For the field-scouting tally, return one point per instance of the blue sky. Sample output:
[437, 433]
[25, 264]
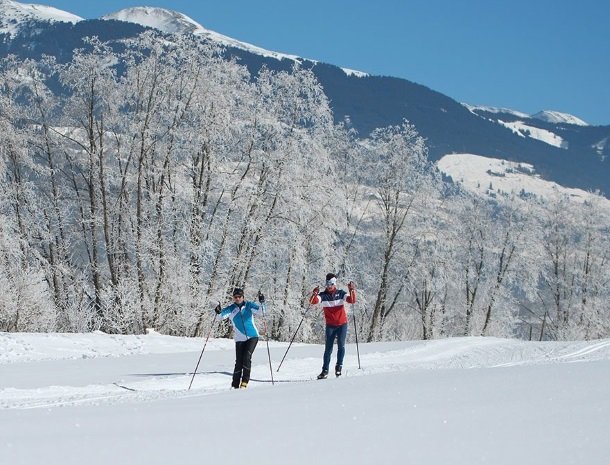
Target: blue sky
[528, 55]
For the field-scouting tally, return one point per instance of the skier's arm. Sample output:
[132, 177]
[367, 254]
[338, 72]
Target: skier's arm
[225, 312]
[254, 307]
[315, 298]
[351, 298]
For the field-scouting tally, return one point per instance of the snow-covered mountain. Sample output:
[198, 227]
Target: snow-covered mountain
[581, 143]
[548, 116]
[173, 22]
[524, 130]
[568, 152]
[557, 117]
[473, 109]
[13, 15]
[492, 177]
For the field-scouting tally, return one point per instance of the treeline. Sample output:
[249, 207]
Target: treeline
[140, 183]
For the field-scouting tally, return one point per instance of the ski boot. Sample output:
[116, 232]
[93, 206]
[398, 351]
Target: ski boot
[323, 375]
[338, 370]
[243, 385]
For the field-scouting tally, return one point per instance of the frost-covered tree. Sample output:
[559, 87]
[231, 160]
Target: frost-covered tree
[397, 162]
[488, 251]
[144, 179]
[574, 279]
[24, 287]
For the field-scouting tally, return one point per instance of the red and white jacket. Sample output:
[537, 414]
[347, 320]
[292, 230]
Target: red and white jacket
[334, 305]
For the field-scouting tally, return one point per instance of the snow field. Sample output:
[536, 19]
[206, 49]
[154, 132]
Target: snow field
[476, 173]
[458, 401]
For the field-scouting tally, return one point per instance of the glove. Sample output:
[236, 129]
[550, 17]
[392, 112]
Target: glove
[218, 309]
[261, 297]
[351, 286]
[316, 291]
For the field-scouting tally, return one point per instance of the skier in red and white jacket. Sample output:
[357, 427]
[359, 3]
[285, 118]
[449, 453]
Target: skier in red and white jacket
[333, 302]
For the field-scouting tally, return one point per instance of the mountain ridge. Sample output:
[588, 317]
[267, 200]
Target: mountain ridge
[13, 13]
[570, 154]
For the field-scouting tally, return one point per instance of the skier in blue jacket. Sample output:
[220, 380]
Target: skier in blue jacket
[245, 334]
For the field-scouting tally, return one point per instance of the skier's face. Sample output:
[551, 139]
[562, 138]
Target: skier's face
[238, 299]
[332, 288]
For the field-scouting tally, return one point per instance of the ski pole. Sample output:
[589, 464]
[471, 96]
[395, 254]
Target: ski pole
[351, 287]
[261, 299]
[295, 335]
[202, 351]
[356, 332]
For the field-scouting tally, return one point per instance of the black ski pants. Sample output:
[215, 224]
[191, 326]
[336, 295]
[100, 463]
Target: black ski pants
[243, 361]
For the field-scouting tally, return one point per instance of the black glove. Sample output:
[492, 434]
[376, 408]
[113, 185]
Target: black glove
[218, 309]
[261, 298]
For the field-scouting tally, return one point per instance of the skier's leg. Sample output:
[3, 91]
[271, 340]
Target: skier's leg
[249, 347]
[239, 361]
[341, 338]
[328, 347]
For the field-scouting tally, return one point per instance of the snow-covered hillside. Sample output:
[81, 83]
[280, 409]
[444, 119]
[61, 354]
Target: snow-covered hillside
[601, 146]
[14, 14]
[524, 130]
[473, 109]
[558, 117]
[549, 116]
[527, 126]
[171, 22]
[488, 176]
[458, 401]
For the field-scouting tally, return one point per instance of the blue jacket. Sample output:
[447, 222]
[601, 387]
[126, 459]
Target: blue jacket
[242, 319]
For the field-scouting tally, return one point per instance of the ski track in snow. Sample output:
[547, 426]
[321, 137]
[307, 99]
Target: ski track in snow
[66, 352]
[589, 349]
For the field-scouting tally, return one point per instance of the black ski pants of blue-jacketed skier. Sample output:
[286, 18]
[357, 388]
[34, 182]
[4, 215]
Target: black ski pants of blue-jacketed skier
[243, 361]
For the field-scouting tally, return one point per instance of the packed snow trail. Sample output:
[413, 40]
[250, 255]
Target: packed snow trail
[458, 401]
[94, 369]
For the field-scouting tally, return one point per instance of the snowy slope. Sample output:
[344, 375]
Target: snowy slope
[488, 109]
[173, 22]
[558, 117]
[14, 14]
[461, 401]
[164, 20]
[524, 130]
[601, 145]
[547, 115]
[477, 173]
